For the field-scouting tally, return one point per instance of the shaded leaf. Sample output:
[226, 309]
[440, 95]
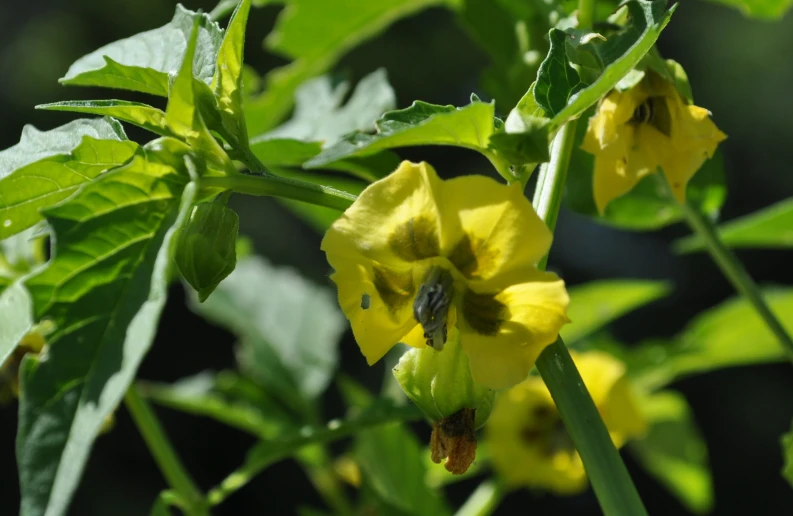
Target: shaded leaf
[392, 464]
[787, 455]
[268, 452]
[136, 113]
[557, 81]
[289, 328]
[674, 452]
[143, 62]
[771, 227]
[104, 291]
[321, 115]
[46, 167]
[316, 34]
[421, 124]
[596, 304]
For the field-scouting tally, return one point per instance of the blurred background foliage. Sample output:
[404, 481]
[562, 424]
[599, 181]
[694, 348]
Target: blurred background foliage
[737, 69]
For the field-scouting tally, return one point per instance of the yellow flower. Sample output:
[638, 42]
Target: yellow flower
[648, 126]
[528, 443]
[416, 257]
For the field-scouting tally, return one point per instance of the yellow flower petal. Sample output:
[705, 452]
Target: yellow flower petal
[394, 222]
[378, 303]
[489, 228]
[503, 333]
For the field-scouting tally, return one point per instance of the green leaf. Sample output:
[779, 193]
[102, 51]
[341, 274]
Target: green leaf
[16, 318]
[104, 291]
[557, 81]
[620, 54]
[143, 62]
[265, 453]
[421, 124]
[136, 113]
[316, 34]
[46, 167]
[289, 328]
[321, 115]
[527, 146]
[760, 9]
[674, 452]
[227, 81]
[595, 304]
[184, 111]
[715, 339]
[771, 227]
[392, 463]
[22, 252]
[208, 395]
[787, 453]
[647, 206]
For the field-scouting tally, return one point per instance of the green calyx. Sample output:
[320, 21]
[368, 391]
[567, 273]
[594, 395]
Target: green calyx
[440, 382]
[206, 247]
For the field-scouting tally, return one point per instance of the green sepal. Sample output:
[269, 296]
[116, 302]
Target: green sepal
[440, 382]
[206, 249]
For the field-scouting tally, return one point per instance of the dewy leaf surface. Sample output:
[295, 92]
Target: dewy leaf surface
[104, 291]
[46, 167]
[136, 113]
[289, 327]
[144, 61]
[315, 34]
[771, 227]
[421, 124]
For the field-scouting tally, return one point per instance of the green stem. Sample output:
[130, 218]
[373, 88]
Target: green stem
[272, 185]
[733, 269]
[324, 479]
[223, 9]
[484, 500]
[163, 453]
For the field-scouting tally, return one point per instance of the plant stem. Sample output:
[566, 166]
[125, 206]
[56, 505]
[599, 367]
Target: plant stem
[484, 500]
[163, 453]
[733, 269]
[223, 9]
[281, 187]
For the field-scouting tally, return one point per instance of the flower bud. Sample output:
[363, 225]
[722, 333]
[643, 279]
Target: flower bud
[441, 385]
[206, 247]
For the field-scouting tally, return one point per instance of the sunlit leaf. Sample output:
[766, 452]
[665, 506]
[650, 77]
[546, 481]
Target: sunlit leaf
[316, 34]
[16, 317]
[421, 124]
[674, 452]
[595, 304]
[289, 328]
[103, 290]
[771, 227]
[620, 53]
[47, 167]
[145, 61]
[136, 113]
[761, 9]
[557, 80]
[227, 81]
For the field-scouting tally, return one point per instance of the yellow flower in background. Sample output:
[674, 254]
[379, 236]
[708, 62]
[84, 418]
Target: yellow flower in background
[528, 443]
[648, 126]
[416, 257]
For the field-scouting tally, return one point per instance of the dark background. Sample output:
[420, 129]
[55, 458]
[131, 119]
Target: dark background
[740, 69]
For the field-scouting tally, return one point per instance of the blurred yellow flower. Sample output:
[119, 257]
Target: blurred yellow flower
[648, 126]
[416, 257]
[528, 443]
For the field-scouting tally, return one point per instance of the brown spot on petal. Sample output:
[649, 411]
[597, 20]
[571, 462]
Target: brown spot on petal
[394, 288]
[453, 439]
[471, 256]
[483, 312]
[416, 239]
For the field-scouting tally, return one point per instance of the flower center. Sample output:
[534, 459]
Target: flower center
[654, 112]
[547, 431]
[431, 306]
